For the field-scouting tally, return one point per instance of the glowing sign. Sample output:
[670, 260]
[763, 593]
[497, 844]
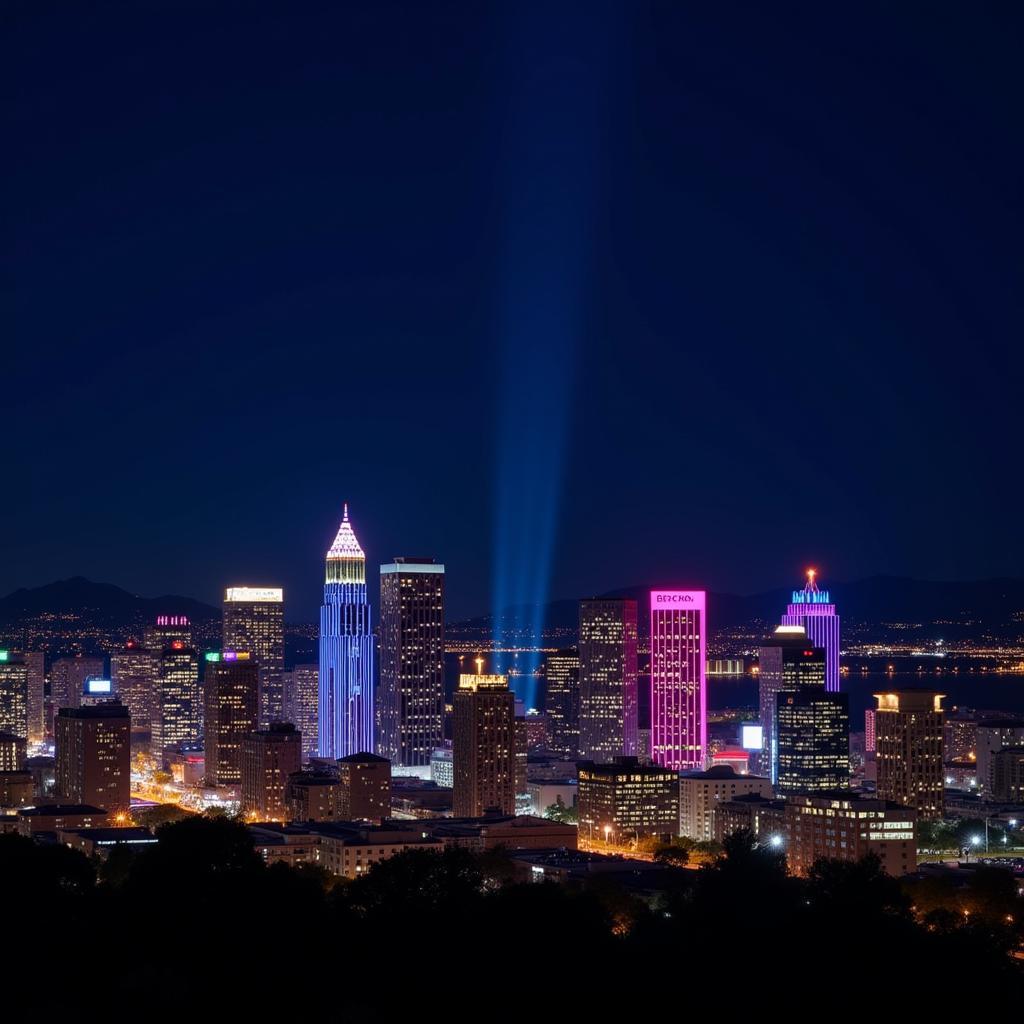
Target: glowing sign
[98, 685]
[172, 620]
[273, 595]
[752, 736]
[3, 655]
[213, 656]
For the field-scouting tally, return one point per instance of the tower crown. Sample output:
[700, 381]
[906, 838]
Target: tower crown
[346, 562]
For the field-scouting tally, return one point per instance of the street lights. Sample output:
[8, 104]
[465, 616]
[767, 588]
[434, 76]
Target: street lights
[607, 831]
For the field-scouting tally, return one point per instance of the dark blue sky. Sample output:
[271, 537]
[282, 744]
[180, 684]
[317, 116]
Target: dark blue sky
[689, 296]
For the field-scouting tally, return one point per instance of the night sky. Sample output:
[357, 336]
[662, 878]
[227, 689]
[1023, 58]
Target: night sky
[572, 297]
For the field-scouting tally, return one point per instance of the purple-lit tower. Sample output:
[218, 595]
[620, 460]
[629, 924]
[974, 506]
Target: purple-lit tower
[813, 609]
[346, 713]
[679, 698]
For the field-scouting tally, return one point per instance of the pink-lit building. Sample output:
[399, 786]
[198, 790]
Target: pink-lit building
[678, 683]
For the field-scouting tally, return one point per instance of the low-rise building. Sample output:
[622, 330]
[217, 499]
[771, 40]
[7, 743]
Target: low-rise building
[98, 842]
[701, 792]
[756, 813]
[626, 799]
[54, 817]
[17, 790]
[314, 796]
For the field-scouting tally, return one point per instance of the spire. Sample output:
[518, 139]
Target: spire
[345, 544]
[812, 586]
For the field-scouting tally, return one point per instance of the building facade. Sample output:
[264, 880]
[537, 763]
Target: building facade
[909, 728]
[991, 736]
[93, 756]
[301, 700]
[483, 746]
[813, 731]
[608, 679]
[813, 609]
[679, 728]
[562, 703]
[68, 676]
[254, 622]
[410, 699]
[13, 695]
[623, 800]
[269, 760]
[134, 673]
[700, 794]
[177, 718]
[231, 695]
[364, 792]
[35, 662]
[346, 707]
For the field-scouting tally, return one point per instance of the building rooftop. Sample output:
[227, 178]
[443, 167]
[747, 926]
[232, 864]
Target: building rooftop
[108, 709]
[721, 771]
[113, 836]
[361, 759]
[49, 810]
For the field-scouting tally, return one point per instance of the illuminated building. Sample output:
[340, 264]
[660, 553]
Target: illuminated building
[99, 842]
[562, 704]
[522, 753]
[13, 695]
[254, 622]
[786, 662]
[678, 685]
[621, 801]
[992, 736]
[12, 752]
[365, 787]
[701, 792]
[67, 679]
[1007, 779]
[301, 687]
[483, 746]
[537, 731]
[346, 710]
[756, 813]
[840, 826]
[165, 631]
[231, 688]
[134, 675]
[735, 758]
[93, 746]
[812, 727]
[269, 759]
[608, 680]
[17, 789]
[97, 691]
[177, 708]
[869, 731]
[314, 796]
[960, 735]
[908, 750]
[441, 767]
[812, 609]
[57, 817]
[35, 662]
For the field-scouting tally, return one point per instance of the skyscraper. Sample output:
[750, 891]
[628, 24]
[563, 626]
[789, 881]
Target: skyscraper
[812, 609]
[483, 746]
[67, 679]
[908, 750]
[787, 661]
[812, 727]
[608, 698]
[562, 671]
[301, 700]
[232, 711]
[35, 662]
[410, 700]
[13, 695]
[346, 651]
[177, 708]
[678, 686]
[93, 764]
[269, 758]
[254, 622]
[166, 630]
[133, 671]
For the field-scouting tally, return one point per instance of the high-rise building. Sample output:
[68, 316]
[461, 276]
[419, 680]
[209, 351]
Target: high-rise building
[812, 727]
[608, 680]
[813, 609]
[1007, 782]
[133, 672]
[869, 731]
[623, 800]
[301, 687]
[700, 793]
[231, 690]
[13, 694]
[269, 759]
[787, 661]
[12, 752]
[68, 676]
[177, 708]
[908, 750]
[991, 736]
[35, 662]
[562, 672]
[93, 747]
[166, 630]
[346, 710]
[678, 686]
[410, 700]
[254, 622]
[483, 746]
[365, 787]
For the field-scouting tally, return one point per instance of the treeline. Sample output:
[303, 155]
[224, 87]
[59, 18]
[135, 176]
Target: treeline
[198, 924]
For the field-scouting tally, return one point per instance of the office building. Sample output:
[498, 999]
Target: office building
[13, 694]
[346, 709]
[993, 735]
[1007, 783]
[301, 686]
[165, 631]
[608, 679]
[960, 735]
[700, 793]
[483, 746]
[12, 752]
[68, 676]
[365, 787]
[17, 790]
[812, 727]
[813, 609]
[177, 718]
[93, 747]
[909, 730]
[231, 690]
[621, 801]
[134, 672]
[254, 622]
[756, 813]
[442, 771]
[35, 662]
[314, 796]
[562, 703]
[678, 684]
[269, 760]
[410, 700]
[786, 663]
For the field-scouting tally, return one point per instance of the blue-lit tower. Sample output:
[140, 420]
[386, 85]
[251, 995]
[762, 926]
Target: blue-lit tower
[346, 651]
[813, 609]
